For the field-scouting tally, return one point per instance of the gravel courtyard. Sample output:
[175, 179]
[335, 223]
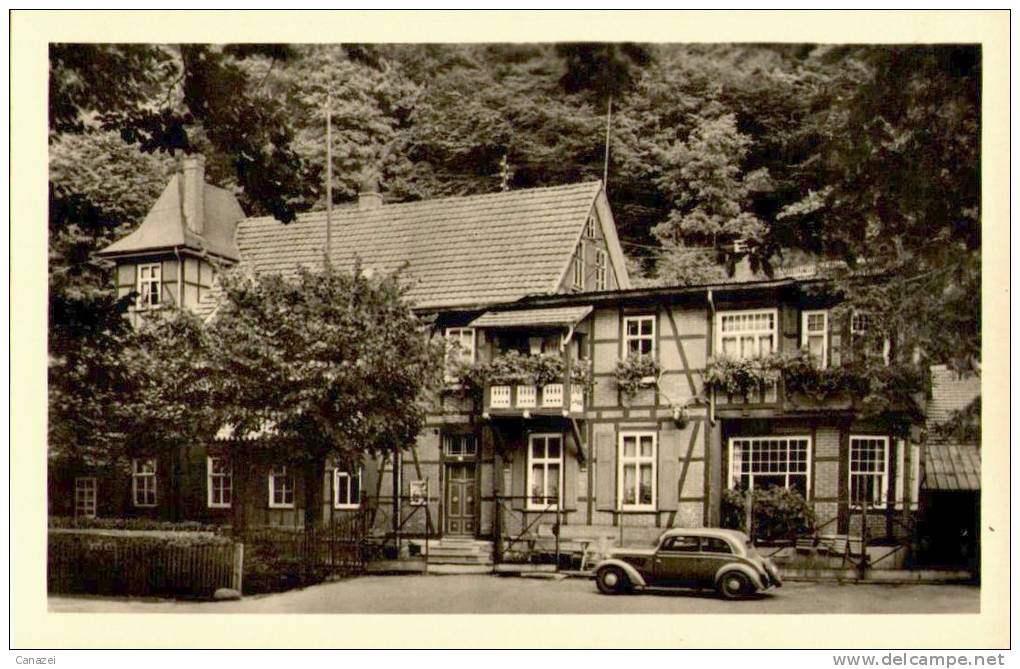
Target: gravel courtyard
[493, 594]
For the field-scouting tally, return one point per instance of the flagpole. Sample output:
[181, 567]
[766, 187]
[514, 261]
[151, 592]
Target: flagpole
[605, 168]
[329, 176]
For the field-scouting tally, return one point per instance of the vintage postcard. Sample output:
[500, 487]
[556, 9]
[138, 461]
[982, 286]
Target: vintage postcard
[633, 316]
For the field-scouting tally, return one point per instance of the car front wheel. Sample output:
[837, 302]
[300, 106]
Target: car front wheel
[734, 585]
[612, 581]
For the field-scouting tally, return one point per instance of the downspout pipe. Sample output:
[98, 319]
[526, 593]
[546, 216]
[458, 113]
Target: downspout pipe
[711, 338]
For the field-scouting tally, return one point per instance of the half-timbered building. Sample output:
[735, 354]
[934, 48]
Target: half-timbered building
[539, 272]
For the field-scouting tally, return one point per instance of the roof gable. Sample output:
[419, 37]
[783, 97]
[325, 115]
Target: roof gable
[164, 226]
[456, 251]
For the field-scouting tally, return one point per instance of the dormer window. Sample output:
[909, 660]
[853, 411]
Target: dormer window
[578, 283]
[149, 282]
[589, 228]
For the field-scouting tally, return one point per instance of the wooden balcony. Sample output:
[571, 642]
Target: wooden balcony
[560, 399]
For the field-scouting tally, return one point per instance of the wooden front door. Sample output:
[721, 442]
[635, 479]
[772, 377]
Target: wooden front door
[460, 499]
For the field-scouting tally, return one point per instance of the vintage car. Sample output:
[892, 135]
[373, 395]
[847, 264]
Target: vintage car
[723, 560]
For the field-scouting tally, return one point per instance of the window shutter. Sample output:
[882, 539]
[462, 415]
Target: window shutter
[669, 477]
[370, 480]
[518, 480]
[605, 473]
[570, 469]
[839, 336]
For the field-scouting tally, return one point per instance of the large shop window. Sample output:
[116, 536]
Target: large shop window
[545, 470]
[281, 488]
[220, 482]
[741, 335]
[869, 467]
[346, 489]
[143, 481]
[85, 497]
[636, 477]
[639, 336]
[763, 462]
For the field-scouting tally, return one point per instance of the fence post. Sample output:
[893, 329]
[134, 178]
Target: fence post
[497, 523]
[556, 528]
[238, 575]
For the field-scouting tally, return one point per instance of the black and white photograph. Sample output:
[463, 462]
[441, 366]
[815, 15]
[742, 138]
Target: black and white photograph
[596, 327]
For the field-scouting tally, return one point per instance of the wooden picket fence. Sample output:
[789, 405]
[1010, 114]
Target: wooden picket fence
[141, 564]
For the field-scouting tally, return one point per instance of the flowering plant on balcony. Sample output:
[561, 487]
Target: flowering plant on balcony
[547, 368]
[581, 374]
[510, 368]
[742, 377]
[635, 373]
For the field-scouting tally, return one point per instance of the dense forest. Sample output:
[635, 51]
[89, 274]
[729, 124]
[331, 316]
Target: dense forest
[786, 153]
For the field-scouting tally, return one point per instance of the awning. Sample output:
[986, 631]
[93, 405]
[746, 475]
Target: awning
[566, 316]
[952, 467]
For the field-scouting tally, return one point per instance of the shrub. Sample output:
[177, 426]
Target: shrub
[779, 513]
[146, 524]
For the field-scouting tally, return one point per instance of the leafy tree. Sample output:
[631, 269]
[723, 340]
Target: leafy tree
[712, 195]
[335, 362]
[894, 190]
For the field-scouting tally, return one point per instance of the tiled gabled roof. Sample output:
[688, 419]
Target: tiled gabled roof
[458, 251]
[164, 226]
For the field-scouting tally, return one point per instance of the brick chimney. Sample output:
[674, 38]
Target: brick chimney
[369, 197]
[193, 192]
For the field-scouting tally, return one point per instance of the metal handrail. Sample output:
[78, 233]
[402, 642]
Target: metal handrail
[552, 505]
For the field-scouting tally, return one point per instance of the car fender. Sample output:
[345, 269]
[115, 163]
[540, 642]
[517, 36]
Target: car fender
[742, 568]
[632, 573]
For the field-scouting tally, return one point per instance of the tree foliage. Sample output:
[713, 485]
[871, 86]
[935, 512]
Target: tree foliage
[335, 362]
[865, 155]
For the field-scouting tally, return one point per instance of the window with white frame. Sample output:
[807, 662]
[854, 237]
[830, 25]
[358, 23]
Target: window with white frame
[346, 489]
[639, 336]
[578, 282]
[219, 482]
[461, 344]
[814, 335]
[85, 497]
[636, 476]
[545, 470]
[589, 228]
[281, 488]
[143, 481]
[741, 335]
[860, 324]
[149, 282]
[869, 467]
[601, 270]
[764, 462]
[459, 445]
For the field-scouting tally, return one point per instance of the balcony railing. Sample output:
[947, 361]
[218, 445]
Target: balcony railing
[513, 398]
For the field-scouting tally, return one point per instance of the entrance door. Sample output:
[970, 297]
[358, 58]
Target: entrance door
[460, 499]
